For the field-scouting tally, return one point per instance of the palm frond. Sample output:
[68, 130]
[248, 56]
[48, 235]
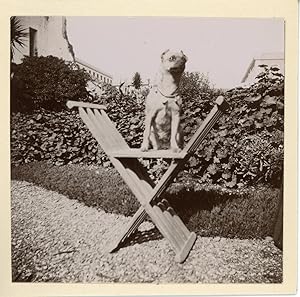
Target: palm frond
[18, 34]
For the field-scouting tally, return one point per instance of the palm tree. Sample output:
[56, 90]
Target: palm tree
[18, 35]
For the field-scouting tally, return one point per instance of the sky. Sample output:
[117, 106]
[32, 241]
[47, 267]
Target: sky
[218, 47]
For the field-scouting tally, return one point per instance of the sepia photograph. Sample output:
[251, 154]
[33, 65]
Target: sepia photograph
[150, 152]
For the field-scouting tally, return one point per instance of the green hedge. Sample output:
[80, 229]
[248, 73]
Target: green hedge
[46, 82]
[206, 210]
[57, 137]
[244, 148]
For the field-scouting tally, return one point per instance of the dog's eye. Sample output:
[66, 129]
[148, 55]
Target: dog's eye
[172, 58]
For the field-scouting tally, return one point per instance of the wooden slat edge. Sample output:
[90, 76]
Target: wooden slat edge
[136, 153]
[182, 255]
[71, 104]
[221, 103]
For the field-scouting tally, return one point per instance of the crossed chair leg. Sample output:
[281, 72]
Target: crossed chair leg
[161, 213]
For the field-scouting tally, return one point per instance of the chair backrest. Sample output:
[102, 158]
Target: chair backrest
[102, 128]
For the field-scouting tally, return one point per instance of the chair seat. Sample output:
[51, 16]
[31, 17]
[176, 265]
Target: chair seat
[137, 153]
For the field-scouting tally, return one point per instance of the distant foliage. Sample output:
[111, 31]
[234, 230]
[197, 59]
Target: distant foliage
[198, 99]
[137, 81]
[46, 82]
[195, 86]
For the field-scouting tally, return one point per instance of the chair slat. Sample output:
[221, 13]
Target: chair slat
[71, 104]
[93, 128]
[106, 141]
[137, 153]
[117, 141]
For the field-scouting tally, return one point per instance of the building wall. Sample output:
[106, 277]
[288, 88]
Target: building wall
[97, 74]
[47, 35]
[266, 59]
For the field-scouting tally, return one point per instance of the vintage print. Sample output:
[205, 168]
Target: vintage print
[147, 149]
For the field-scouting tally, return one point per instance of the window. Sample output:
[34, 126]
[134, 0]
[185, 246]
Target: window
[32, 42]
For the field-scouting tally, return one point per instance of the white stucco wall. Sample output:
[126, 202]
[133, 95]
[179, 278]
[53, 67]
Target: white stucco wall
[51, 37]
[266, 59]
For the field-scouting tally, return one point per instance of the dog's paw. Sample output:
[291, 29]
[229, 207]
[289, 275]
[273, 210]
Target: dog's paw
[175, 149]
[144, 148]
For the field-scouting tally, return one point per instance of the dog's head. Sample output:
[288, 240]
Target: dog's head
[173, 61]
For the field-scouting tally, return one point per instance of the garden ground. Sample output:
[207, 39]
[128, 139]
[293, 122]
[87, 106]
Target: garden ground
[55, 239]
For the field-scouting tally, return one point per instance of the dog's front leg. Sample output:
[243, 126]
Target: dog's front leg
[146, 136]
[174, 131]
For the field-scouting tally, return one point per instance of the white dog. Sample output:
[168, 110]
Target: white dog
[163, 106]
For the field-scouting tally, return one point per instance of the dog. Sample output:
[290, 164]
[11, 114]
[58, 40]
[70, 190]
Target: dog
[163, 106]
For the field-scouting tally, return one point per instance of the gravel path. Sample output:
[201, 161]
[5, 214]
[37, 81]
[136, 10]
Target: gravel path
[55, 239]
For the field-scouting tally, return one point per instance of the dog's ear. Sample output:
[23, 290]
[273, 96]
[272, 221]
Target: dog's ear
[184, 56]
[162, 55]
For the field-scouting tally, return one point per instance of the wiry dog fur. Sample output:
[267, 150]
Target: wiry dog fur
[163, 105]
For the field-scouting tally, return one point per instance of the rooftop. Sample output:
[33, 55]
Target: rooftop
[264, 56]
[80, 61]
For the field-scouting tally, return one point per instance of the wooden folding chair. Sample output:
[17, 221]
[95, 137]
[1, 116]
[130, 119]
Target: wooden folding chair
[125, 160]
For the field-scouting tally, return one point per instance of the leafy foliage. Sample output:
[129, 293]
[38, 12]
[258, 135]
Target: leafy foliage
[244, 148]
[18, 35]
[127, 113]
[47, 82]
[57, 137]
[198, 99]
